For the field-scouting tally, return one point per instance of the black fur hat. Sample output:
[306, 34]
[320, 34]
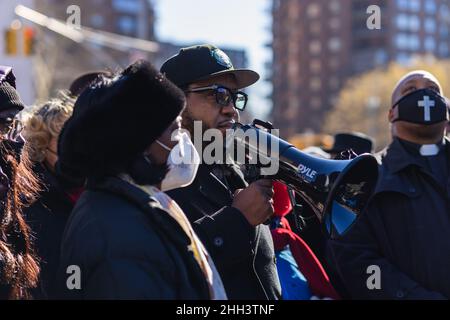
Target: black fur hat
[116, 119]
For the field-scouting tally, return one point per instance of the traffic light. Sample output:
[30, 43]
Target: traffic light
[11, 41]
[28, 41]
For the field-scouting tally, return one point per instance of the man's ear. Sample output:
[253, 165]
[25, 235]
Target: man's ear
[393, 114]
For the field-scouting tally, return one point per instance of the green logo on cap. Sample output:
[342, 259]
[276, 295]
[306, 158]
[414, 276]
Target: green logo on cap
[222, 58]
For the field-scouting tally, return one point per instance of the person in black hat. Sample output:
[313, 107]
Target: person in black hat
[127, 237]
[83, 81]
[19, 269]
[355, 142]
[228, 214]
[10, 102]
[399, 248]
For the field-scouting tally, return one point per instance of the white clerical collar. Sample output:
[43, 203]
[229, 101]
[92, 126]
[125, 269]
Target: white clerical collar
[428, 150]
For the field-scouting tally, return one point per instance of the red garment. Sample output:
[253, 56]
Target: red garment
[307, 262]
[281, 201]
[75, 194]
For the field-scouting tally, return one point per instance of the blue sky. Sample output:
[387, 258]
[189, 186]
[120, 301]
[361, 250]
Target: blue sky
[233, 23]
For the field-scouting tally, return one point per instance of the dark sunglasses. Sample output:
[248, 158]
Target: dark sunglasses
[224, 96]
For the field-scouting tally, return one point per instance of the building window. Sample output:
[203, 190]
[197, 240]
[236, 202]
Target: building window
[334, 44]
[315, 84]
[97, 21]
[334, 63]
[443, 50]
[294, 104]
[293, 48]
[402, 4]
[403, 58]
[402, 21]
[414, 42]
[127, 25]
[127, 6]
[335, 6]
[430, 44]
[276, 4]
[294, 12]
[316, 103]
[401, 41]
[430, 6]
[335, 24]
[430, 25]
[333, 101]
[293, 70]
[315, 47]
[334, 83]
[291, 112]
[315, 66]
[406, 41]
[313, 10]
[411, 5]
[414, 5]
[408, 22]
[315, 27]
[381, 57]
[444, 32]
[444, 10]
[414, 23]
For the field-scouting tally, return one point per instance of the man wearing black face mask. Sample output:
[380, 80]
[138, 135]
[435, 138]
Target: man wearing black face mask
[400, 248]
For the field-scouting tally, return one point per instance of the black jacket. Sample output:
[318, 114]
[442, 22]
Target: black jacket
[127, 247]
[405, 232]
[47, 218]
[244, 255]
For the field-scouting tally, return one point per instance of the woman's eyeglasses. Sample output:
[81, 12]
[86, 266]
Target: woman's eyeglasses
[224, 96]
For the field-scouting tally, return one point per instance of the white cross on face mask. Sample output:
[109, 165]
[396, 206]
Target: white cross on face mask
[426, 104]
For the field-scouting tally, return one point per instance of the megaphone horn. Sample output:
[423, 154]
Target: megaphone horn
[337, 190]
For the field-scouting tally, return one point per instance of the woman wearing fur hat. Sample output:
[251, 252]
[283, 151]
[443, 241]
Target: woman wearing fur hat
[19, 269]
[125, 238]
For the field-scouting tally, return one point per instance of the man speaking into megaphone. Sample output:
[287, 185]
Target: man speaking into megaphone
[227, 213]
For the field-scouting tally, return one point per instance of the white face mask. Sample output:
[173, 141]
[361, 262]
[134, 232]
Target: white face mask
[183, 162]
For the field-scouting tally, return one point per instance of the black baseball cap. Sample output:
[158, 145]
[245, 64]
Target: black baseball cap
[202, 62]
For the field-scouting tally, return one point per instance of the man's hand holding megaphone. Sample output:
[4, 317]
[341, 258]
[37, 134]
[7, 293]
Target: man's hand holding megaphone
[255, 202]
